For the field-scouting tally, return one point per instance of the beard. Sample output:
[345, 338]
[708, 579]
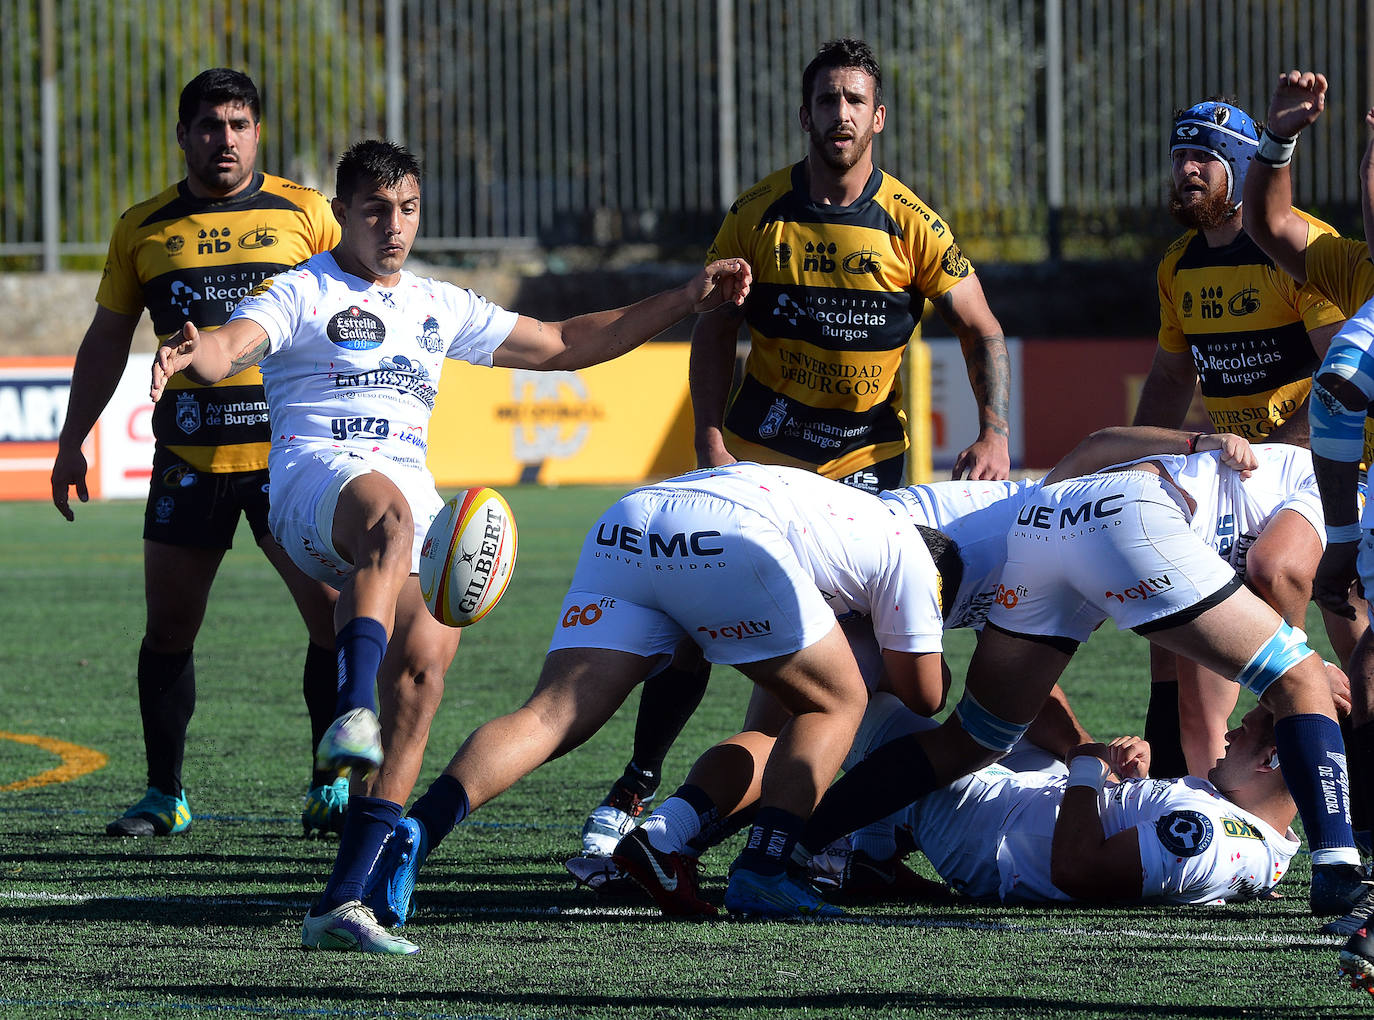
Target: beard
[1212, 211]
[841, 161]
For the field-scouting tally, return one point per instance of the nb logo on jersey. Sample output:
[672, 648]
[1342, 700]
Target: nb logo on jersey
[818, 258]
[213, 242]
[1210, 303]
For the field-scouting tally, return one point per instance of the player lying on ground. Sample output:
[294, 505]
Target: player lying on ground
[751, 562]
[1117, 544]
[1031, 830]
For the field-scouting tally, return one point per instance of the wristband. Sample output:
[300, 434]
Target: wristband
[1088, 770]
[1343, 533]
[1275, 150]
[1192, 443]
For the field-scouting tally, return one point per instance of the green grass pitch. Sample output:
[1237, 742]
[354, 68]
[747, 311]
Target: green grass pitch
[208, 924]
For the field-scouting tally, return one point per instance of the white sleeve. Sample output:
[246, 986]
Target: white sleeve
[275, 305]
[906, 608]
[482, 327]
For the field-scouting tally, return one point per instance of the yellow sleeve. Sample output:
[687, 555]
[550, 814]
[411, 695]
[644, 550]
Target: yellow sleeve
[120, 290]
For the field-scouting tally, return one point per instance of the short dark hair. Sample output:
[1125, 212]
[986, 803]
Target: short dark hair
[949, 563]
[215, 86]
[374, 163]
[843, 53]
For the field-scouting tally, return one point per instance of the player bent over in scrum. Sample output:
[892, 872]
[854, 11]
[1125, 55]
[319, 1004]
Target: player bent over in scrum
[1117, 544]
[751, 562]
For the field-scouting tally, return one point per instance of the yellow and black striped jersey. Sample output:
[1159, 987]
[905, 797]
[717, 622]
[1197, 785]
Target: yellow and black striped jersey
[1245, 323]
[1341, 270]
[187, 258]
[838, 292]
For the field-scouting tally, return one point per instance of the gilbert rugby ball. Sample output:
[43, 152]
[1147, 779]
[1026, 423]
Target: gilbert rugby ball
[468, 557]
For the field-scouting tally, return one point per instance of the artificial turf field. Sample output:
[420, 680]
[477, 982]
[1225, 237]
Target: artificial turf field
[208, 923]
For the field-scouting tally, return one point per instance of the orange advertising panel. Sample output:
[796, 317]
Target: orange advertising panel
[620, 422]
[33, 405]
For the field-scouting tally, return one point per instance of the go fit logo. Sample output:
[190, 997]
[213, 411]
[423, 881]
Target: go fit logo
[587, 615]
[1009, 597]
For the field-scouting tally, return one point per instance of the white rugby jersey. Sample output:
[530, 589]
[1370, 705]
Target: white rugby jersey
[1231, 511]
[977, 516]
[865, 560]
[356, 365]
[989, 835]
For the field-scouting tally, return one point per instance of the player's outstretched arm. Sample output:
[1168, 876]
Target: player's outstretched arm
[1119, 444]
[1367, 183]
[1084, 863]
[1267, 212]
[208, 357]
[99, 364]
[964, 307]
[602, 336]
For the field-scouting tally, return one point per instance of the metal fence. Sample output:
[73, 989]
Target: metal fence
[1037, 127]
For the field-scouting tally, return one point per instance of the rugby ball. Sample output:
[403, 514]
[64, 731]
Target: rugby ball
[468, 557]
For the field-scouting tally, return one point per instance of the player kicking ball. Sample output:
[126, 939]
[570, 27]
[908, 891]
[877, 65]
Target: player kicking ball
[351, 347]
[751, 562]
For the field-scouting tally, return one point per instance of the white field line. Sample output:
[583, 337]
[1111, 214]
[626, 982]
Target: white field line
[1113, 933]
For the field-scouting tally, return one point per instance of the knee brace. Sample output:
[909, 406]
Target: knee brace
[992, 732]
[1285, 648]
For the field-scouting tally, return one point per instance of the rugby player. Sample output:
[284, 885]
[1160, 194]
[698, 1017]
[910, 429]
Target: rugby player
[351, 346]
[194, 250]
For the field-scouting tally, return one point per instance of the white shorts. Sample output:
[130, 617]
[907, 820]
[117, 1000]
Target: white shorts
[306, 484]
[1110, 545]
[664, 564]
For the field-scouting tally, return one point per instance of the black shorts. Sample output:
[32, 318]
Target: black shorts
[200, 509]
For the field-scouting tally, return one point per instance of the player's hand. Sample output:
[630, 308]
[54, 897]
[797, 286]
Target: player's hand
[68, 469]
[988, 459]
[1094, 749]
[1335, 574]
[1129, 757]
[1340, 689]
[172, 357]
[722, 282]
[1236, 451]
[1298, 100]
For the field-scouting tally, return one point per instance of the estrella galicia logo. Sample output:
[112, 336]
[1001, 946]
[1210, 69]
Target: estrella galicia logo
[187, 413]
[954, 263]
[1244, 301]
[429, 337]
[1184, 833]
[258, 237]
[861, 263]
[356, 330]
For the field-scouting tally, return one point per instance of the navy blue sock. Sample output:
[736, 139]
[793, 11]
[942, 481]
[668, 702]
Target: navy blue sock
[366, 826]
[319, 684]
[769, 847]
[442, 806]
[1312, 755]
[887, 780]
[361, 643]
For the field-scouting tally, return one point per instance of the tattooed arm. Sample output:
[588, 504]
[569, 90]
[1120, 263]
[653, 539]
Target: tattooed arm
[207, 358]
[965, 309]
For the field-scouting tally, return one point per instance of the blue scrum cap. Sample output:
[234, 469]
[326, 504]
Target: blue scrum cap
[1226, 131]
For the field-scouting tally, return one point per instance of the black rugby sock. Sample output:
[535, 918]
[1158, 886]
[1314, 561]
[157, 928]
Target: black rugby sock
[166, 700]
